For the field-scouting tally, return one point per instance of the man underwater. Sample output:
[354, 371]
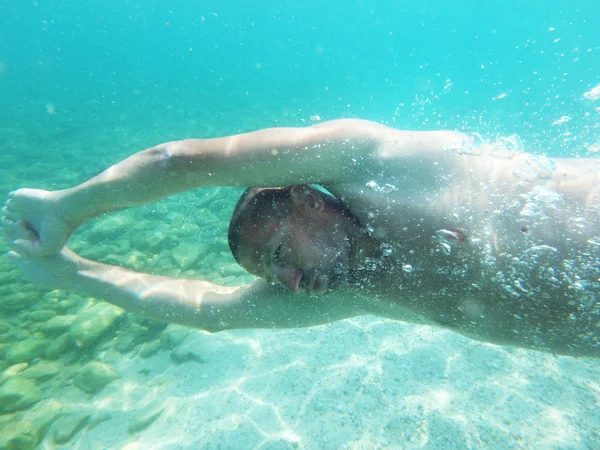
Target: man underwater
[424, 227]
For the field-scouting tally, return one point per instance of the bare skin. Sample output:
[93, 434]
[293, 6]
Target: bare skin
[501, 249]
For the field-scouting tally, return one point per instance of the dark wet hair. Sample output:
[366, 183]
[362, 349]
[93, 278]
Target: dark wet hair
[253, 205]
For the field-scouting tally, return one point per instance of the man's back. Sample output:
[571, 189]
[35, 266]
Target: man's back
[504, 251]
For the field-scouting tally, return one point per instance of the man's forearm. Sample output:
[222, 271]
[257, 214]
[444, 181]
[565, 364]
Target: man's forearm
[331, 152]
[186, 302]
[272, 157]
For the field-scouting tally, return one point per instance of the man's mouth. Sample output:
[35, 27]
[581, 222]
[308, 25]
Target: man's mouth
[313, 283]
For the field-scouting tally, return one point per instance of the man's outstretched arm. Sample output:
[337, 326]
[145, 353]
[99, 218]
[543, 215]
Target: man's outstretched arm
[193, 303]
[330, 152]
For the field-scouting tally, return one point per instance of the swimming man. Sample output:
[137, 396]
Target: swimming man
[425, 227]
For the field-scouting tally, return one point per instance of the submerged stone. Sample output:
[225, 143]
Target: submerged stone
[111, 228]
[43, 371]
[25, 351]
[186, 354]
[185, 255]
[17, 436]
[149, 348]
[173, 336]
[18, 393]
[130, 336]
[94, 376]
[5, 326]
[58, 347]
[68, 426]
[145, 416]
[42, 417]
[15, 369]
[92, 323]
[58, 325]
[18, 301]
[42, 315]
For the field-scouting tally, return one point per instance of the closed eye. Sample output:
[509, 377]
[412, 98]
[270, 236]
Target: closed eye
[277, 253]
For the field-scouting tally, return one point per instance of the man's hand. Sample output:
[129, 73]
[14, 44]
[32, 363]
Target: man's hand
[56, 271]
[33, 224]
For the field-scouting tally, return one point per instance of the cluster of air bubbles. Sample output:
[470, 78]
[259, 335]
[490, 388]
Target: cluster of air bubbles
[385, 189]
[445, 248]
[512, 143]
[593, 94]
[386, 249]
[563, 119]
[447, 86]
[535, 167]
[446, 239]
[448, 236]
[503, 147]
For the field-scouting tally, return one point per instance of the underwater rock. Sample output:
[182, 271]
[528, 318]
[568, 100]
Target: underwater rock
[58, 325]
[209, 260]
[41, 315]
[149, 348]
[189, 229]
[98, 418]
[16, 335]
[186, 254]
[25, 351]
[110, 228]
[58, 347]
[68, 426]
[94, 376]
[101, 251]
[135, 260]
[18, 301]
[145, 416]
[71, 303]
[42, 417]
[186, 354]
[123, 246]
[93, 322]
[5, 326]
[152, 241]
[15, 369]
[18, 393]
[17, 436]
[130, 336]
[173, 335]
[43, 371]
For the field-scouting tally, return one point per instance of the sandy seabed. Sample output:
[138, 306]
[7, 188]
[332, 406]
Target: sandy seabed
[364, 383]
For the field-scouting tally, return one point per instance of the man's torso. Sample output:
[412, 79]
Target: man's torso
[500, 252]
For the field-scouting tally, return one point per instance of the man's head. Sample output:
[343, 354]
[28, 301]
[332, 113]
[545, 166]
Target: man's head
[298, 235]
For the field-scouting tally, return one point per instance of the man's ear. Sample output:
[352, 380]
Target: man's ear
[304, 196]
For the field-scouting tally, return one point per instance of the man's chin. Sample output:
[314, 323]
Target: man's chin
[334, 282]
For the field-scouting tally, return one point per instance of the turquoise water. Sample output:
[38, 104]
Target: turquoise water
[84, 84]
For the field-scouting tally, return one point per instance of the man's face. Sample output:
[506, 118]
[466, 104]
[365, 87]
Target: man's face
[308, 250]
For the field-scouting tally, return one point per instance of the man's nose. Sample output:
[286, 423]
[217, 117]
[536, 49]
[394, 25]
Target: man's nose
[290, 277]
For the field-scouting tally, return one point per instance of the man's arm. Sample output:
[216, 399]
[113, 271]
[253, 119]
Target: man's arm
[331, 152]
[192, 303]
[270, 157]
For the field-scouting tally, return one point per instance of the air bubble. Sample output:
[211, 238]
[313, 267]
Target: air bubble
[445, 248]
[386, 249]
[447, 237]
[385, 189]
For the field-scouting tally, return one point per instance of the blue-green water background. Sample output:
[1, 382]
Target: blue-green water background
[174, 66]
[84, 84]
